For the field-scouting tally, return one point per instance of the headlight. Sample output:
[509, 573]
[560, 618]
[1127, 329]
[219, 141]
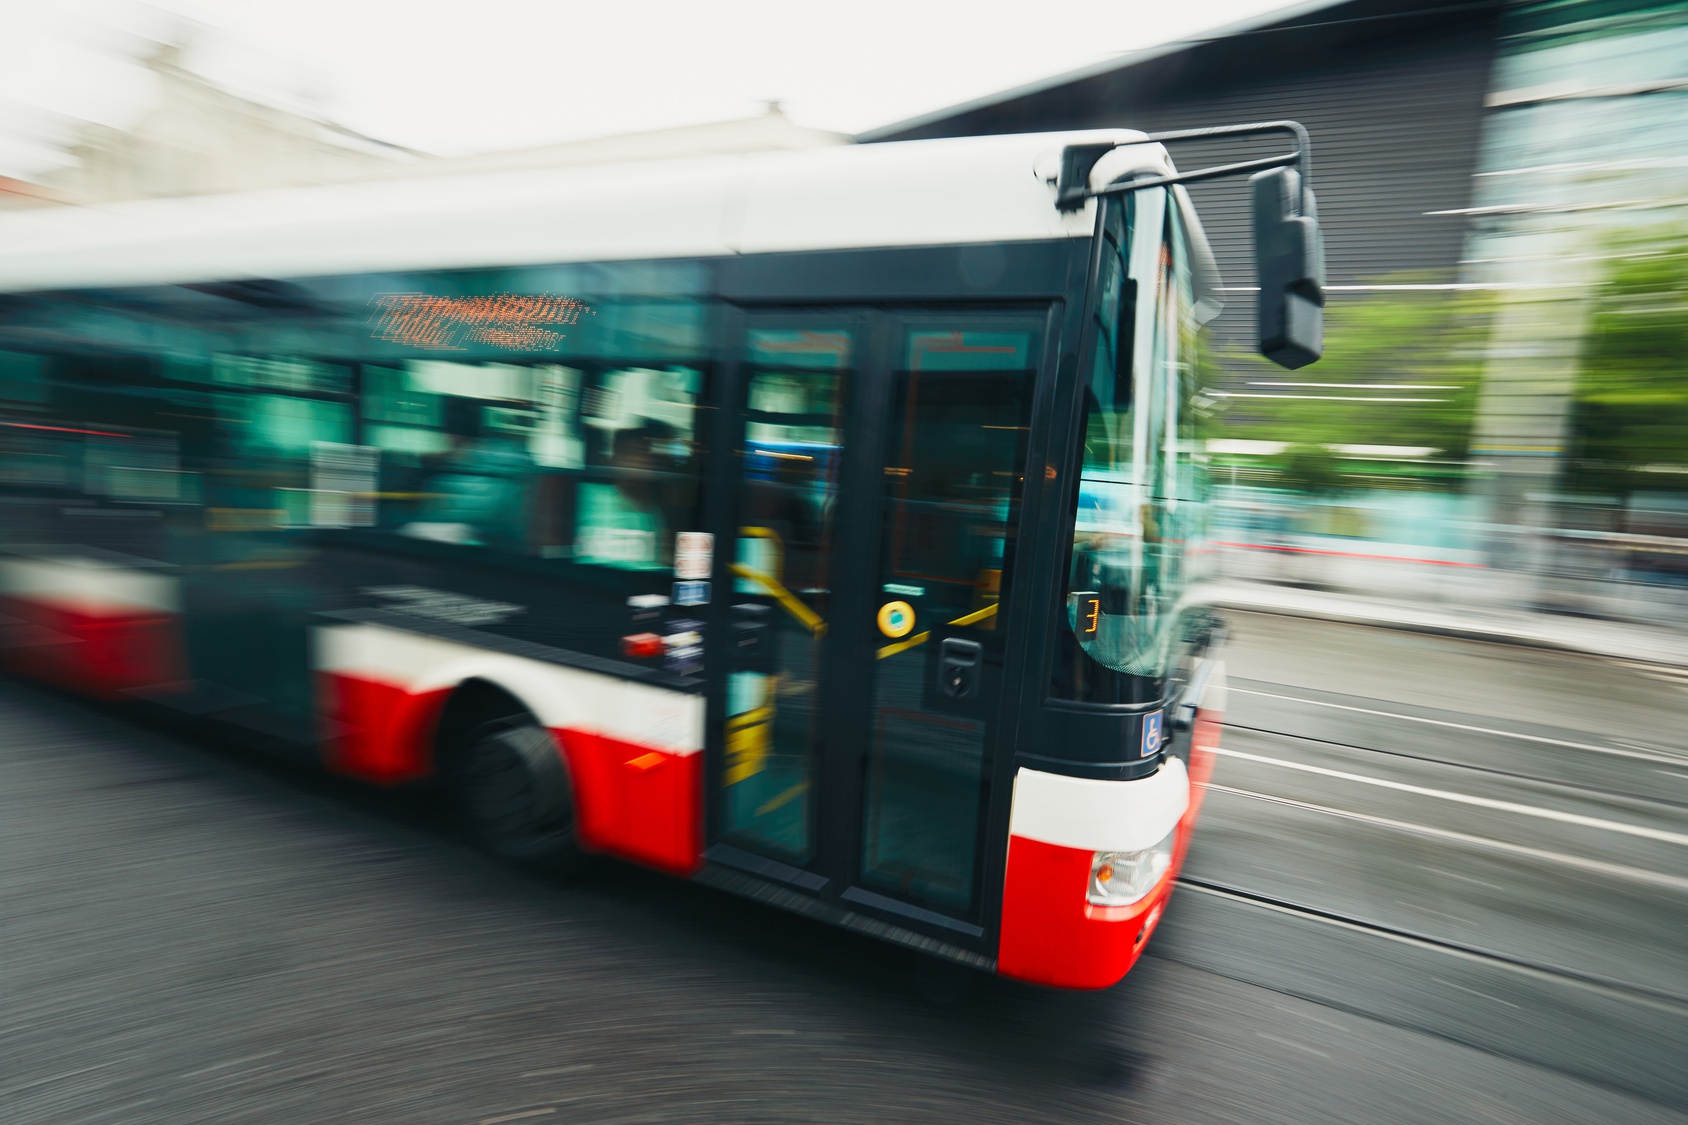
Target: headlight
[1122, 878]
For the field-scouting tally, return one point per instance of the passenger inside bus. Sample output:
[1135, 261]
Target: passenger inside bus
[625, 521]
[474, 492]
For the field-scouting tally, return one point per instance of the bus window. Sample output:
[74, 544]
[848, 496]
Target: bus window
[22, 378]
[596, 465]
[643, 459]
[273, 415]
[1134, 517]
[797, 382]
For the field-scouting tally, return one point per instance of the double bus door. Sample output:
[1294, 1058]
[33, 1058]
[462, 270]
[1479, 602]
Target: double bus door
[860, 629]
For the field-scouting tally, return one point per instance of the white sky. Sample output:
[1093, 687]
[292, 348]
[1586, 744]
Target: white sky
[460, 76]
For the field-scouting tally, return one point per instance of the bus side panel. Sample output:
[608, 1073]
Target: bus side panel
[379, 731]
[88, 626]
[1051, 934]
[637, 802]
[633, 750]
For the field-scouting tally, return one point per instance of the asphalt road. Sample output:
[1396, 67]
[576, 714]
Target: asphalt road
[1436, 881]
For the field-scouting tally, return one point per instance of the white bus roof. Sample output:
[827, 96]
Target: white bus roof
[916, 193]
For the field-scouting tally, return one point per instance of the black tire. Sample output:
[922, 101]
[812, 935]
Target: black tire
[515, 793]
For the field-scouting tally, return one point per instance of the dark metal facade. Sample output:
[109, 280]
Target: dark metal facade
[1392, 92]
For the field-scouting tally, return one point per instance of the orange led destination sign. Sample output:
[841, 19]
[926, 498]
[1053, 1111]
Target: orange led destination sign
[503, 320]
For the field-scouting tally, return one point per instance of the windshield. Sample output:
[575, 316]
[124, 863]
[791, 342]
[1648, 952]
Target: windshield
[1138, 508]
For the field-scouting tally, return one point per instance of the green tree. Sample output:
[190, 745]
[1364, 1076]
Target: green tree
[1400, 368]
[1631, 404]
[1311, 469]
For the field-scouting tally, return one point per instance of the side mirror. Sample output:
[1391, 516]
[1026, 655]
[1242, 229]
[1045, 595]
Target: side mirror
[1289, 260]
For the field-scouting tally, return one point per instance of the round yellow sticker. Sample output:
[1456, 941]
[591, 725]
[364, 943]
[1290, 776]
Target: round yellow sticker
[896, 619]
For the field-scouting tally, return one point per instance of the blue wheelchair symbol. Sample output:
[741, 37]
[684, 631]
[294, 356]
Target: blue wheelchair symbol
[1152, 734]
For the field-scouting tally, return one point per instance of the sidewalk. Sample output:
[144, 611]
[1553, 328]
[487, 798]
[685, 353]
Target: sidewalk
[1646, 644]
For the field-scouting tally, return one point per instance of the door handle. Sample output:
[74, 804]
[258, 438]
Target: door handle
[959, 662]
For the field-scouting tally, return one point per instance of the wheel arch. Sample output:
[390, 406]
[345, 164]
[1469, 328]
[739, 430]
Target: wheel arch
[490, 686]
[473, 702]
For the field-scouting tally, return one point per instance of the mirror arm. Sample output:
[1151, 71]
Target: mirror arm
[1215, 173]
[1077, 161]
[1303, 144]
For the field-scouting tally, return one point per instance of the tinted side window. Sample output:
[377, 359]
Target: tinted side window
[599, 463]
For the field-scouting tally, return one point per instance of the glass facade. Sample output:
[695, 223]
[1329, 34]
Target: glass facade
[1581, 204]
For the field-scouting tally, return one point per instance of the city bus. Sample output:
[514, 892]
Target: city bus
[822, 526]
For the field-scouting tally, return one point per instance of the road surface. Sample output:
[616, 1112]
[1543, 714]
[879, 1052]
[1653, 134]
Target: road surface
[1436, 881]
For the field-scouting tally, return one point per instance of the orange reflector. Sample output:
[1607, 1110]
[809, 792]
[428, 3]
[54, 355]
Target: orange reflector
[646, 762]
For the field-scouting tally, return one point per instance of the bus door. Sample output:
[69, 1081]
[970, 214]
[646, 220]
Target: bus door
[879, 470]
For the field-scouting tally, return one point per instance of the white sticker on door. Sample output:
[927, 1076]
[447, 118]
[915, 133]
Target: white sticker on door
[694, 552]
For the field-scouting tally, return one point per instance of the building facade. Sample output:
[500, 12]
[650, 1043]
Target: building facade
[1516, 153]
[199, 139]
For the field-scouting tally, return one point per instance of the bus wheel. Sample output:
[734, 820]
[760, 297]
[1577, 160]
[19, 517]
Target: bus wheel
[516, 795]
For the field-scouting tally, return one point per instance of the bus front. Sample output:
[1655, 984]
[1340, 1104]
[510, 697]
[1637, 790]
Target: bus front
[1110, 770]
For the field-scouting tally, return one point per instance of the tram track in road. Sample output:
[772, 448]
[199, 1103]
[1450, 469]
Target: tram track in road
[1644, 754]
[1671, 674]
[1515, 807]
[1661, 804]
[1545, 870]
[1610, 909]
[1503, 883]
[1578, 778]
[1671, 1002]
[1609, 1032]
[1597, 867]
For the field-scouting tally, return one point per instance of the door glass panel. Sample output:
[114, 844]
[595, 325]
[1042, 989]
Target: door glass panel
[952, 483]
[789, 453]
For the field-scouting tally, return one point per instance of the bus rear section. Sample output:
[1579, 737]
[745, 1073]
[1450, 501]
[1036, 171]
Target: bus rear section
[859, 578]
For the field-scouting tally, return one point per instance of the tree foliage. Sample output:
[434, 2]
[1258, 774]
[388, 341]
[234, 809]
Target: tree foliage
[1311, 469]
[1631, 404]
[1417, 338]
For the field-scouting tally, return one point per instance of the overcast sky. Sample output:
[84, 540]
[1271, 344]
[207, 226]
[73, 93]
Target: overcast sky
[460, 76]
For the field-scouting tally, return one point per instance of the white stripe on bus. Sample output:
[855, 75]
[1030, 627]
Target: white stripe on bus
[560, 697]
[1103, 816]
[88, 585]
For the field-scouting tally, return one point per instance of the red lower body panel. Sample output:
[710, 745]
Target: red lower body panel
[1051, 935]
[105, 655]
[635, 802]
[1204, 739]
[631, 801]
[382, 733]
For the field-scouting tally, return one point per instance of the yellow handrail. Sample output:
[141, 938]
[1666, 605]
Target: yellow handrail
[786, 598]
